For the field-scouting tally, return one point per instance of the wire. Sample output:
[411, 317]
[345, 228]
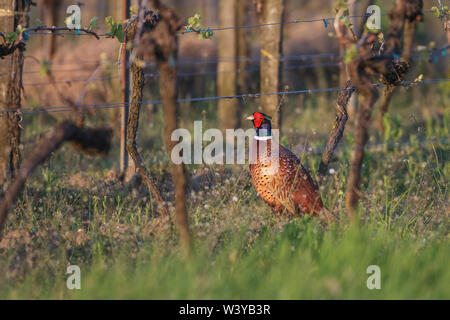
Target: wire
[261, 58]
[155, 75]
[283, 23]
[274, 24]
[211, 29]
[307, 66]
[221, 28]
[157, 102]
[53, 71]
[434, 57]
[435, 52]
[62, 34]
[188, 62]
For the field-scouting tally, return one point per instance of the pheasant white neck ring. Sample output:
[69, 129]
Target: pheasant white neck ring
[263, 138]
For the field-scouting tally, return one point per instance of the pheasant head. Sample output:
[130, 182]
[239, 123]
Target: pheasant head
[262, 124]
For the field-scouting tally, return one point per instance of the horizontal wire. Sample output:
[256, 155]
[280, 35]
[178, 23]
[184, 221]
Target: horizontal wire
[275, 23]
[211, 29]
[104, 106]
[201, 73]
[303, 66]
[56, 70]
[188, 62]
[260, 58]
[68, 33]
[284, 22]
[186, 74]
[157, 102]
[221, 28]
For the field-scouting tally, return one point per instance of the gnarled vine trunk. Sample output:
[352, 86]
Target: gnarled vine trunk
[16, 13]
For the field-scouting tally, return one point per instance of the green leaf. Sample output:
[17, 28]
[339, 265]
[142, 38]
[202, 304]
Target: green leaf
[436, 12]
[194, 22]
[20, 29]
[339, 4]
[11, 37]
[194, 25]
[116, 29]
[120, 34]
[207, 34]
[93, 24]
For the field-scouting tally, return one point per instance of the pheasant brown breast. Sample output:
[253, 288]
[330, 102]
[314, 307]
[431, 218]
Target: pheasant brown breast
[286, 184]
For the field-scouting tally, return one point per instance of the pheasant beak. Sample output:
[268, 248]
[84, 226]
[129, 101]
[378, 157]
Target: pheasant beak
[251, 118]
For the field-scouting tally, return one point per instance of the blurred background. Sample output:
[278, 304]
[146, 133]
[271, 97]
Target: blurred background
[310, 61]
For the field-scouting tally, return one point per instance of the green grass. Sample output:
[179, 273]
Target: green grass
[299, 262]
[75, 212]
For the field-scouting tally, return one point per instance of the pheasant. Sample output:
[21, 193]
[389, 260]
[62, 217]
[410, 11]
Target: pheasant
[285, 185]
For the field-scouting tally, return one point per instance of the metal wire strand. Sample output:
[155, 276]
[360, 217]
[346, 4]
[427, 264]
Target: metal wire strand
[51, 109]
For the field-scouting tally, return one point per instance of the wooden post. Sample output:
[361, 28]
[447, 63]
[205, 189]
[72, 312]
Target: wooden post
[271, 11]
[243, 46]
[226, 80]
[6, 25]
[125, 97]
[50, 10]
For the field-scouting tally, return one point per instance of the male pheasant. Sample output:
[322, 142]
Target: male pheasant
[286, 184]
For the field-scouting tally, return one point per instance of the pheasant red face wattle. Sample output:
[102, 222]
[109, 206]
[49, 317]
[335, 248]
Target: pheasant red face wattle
[258, 119]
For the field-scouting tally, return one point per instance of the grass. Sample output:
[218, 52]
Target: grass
[75, 211]
[299, 262]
